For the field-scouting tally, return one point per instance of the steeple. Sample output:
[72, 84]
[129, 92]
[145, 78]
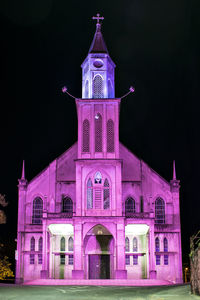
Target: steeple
[22, 182]
[175, 184]
[98, 68]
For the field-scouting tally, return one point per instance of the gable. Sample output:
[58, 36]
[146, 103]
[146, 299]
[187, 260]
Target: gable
[66, 169]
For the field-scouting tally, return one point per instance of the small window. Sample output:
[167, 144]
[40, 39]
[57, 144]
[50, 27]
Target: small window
[157, 260]
[166, 260]
[32, 244]
[135, 245]
[39, 259]
[62, 244]
[157, 245]
[86, 136]
[159, 211]
[106, 195]
[70, 244]
[129, 207]
[32, 259]
[98, 132]
[127, 259]
[89, 194]
[40, 244]
[70, 259]
[127, 247]
[165, 242]
[62, 259]
[135, 259]
[67, 205]
[37, 211]
[110, 136]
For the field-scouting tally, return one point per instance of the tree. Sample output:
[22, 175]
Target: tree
[2, 213]
[5, 270]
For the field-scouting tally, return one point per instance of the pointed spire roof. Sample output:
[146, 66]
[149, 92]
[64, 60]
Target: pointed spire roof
[23, 170]
[98, 44]
[174, 171]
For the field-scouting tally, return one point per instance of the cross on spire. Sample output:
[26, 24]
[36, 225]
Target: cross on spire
[98, 18]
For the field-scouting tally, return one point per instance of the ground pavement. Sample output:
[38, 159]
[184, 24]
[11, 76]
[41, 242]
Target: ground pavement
[20, 292]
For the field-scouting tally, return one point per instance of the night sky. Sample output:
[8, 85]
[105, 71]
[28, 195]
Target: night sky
[155, 46]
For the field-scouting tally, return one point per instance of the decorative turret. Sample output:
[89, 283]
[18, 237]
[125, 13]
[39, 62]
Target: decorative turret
[98, 68]
[175, 184]
[23, 182]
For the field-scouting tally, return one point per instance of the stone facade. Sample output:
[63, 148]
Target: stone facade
[98, 211]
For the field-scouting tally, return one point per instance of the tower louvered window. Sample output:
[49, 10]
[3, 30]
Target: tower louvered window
[37, 211]
[89, 194]
[87, 89]
[159, 211]
[86, 136]
[98, 87]
[98, 133]
[106, 195]
[110, 136]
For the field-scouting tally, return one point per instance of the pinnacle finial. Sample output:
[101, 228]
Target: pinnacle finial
[23, 170]
[174, 170]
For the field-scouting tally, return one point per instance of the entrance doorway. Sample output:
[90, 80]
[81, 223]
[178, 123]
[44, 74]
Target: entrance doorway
[99, 253]
[99, 266]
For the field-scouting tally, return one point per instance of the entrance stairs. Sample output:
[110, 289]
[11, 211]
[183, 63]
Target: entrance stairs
[103, 282]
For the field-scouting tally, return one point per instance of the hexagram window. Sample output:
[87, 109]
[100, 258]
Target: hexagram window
[37, 211]
[159, 211]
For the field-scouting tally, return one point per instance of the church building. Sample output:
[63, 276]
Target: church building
[98, 211]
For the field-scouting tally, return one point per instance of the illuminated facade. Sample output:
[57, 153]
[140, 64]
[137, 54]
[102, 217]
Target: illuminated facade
[97, 211]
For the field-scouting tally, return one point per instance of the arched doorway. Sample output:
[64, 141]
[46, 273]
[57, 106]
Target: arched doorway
[98, 248]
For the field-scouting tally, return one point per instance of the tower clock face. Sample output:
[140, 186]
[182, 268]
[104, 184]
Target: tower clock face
[98, 63]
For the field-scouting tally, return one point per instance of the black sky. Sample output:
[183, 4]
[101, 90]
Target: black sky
[156, 47]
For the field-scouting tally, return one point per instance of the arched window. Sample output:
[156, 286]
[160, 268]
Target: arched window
[70, 244]
[135, 244]
[87, 89]
[40, 244]
[165, 244]
[127, 246]
[110, 136]
[67, 205]
[159, 211]
[37, 211]
[98, 133]
[98, 87]
[106, 195]
[62, 244]
[89, 194]
[86, 136]
[129, 207]
[32, 245]
[157, 245]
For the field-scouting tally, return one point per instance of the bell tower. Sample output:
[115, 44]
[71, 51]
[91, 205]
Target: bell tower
[98, 109]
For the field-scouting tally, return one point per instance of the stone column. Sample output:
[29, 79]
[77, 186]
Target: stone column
[152, 269]
[120, 272]
[78, 272]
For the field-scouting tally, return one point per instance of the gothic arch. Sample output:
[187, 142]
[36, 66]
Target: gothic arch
[97, 84]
